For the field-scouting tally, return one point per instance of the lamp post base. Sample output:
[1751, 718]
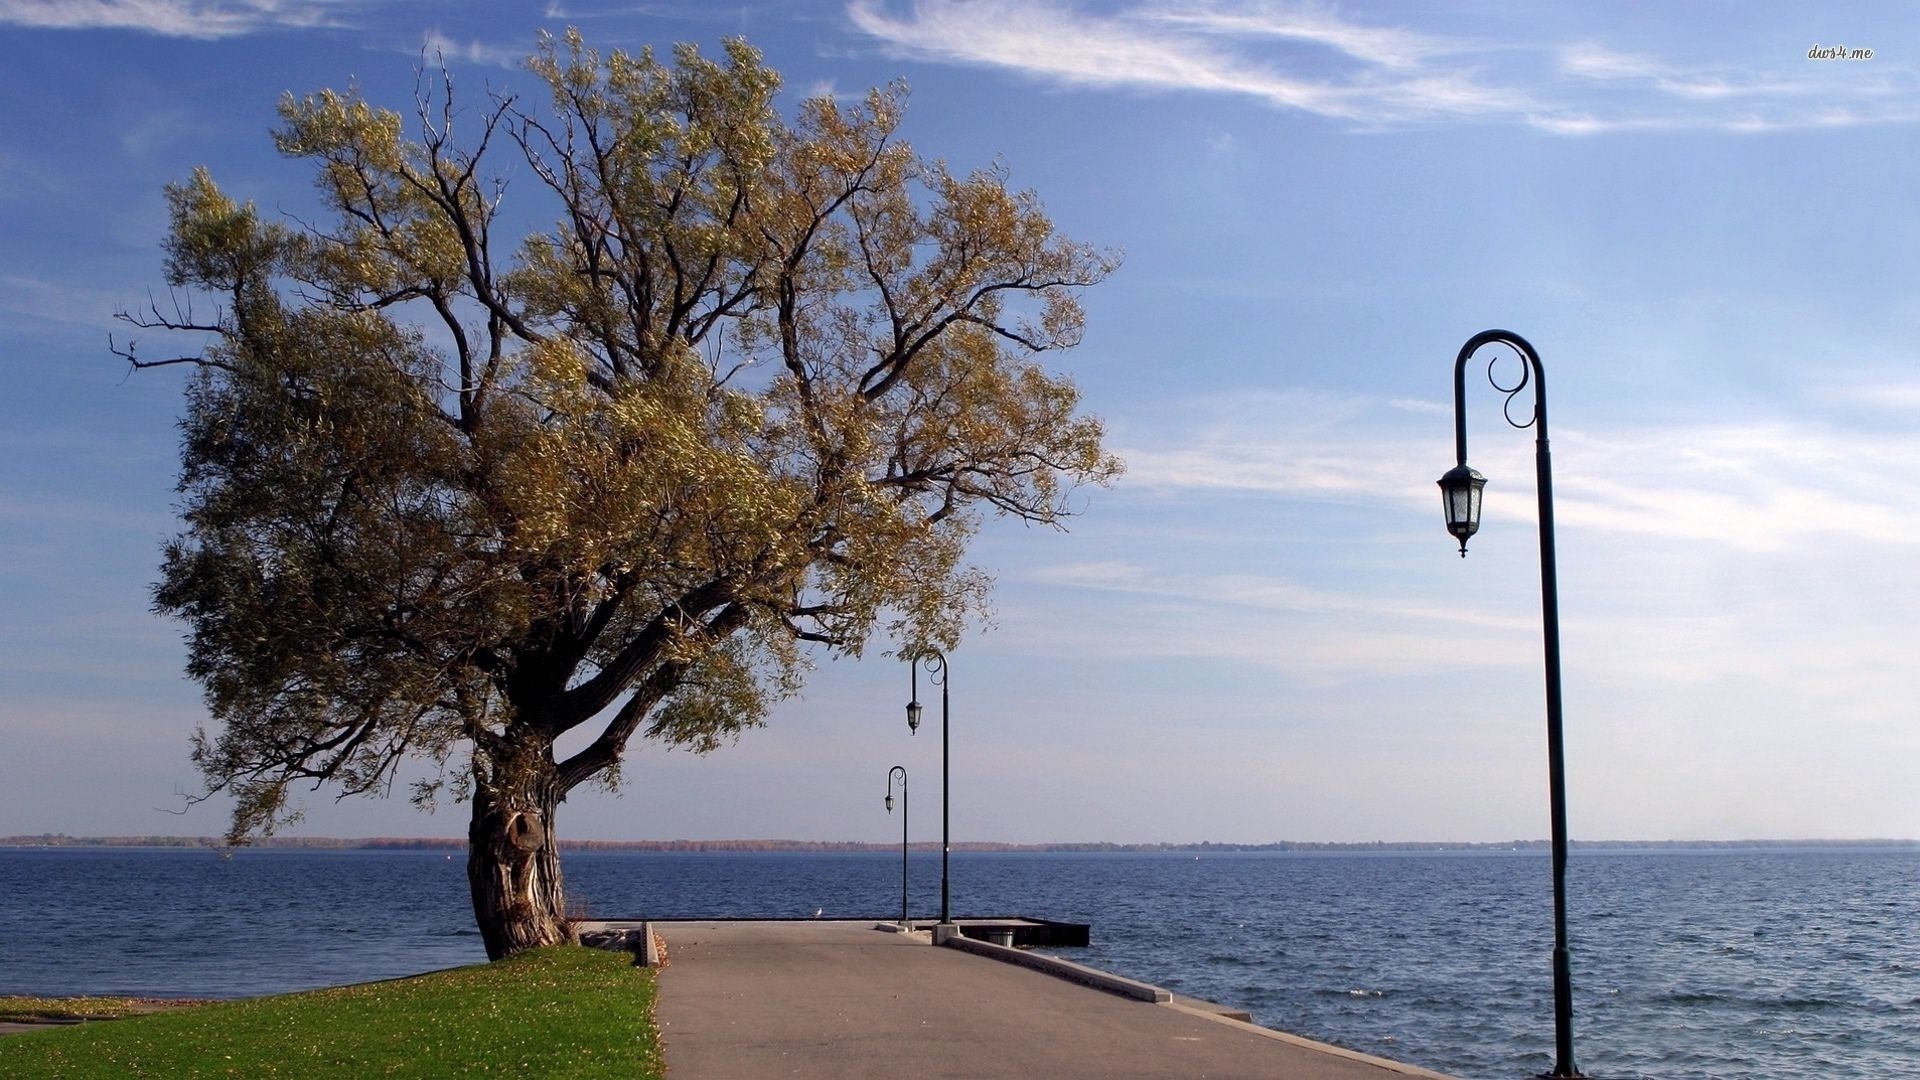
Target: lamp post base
[945, 930]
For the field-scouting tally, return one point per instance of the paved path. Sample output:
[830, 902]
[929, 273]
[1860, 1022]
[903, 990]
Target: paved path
[842, 1001]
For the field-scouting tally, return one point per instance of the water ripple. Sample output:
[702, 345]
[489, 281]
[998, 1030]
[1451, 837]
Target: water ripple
[1687, 965]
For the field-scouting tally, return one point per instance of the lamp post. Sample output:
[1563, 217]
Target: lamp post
[936, 664]
[1460, 493]
[902, 770]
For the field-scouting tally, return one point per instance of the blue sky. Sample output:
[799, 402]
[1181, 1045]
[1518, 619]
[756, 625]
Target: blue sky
[1262, 631]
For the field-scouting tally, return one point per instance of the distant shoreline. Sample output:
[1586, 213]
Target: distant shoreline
[401, 843]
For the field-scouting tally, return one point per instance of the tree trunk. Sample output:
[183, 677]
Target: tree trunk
[513, 864]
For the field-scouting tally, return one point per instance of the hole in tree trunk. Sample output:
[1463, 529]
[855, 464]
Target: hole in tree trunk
[524, 832]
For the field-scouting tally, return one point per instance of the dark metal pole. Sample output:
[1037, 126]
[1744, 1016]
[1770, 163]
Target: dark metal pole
[935, 662]
[905, 919]
[1550, 632]
[902, 770]
[946, 840]
[1556, 760]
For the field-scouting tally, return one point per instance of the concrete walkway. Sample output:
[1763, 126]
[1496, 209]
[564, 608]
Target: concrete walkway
[842, 1001]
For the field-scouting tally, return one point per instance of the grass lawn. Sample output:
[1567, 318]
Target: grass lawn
[560, 1012]
[85, 1008]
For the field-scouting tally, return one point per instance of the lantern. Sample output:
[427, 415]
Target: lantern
[1460, 496]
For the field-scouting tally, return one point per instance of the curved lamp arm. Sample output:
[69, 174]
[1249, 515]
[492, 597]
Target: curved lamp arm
[1461, 486]
[935, 662]
[902, 771]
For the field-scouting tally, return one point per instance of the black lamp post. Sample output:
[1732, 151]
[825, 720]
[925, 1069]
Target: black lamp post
[936, 664]
[902, 770]
[1460, 492]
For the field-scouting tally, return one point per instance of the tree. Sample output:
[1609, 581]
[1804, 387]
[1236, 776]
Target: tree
[448, 497]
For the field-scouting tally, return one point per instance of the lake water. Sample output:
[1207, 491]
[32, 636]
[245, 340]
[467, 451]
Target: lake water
[1758, 964]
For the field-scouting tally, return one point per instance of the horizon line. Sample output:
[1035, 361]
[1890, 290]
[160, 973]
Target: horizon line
[44, 840]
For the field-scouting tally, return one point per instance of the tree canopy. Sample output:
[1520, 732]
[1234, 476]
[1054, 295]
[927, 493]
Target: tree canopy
[749, 390]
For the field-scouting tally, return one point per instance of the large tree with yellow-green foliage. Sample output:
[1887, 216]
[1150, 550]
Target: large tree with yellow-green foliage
[454, 494]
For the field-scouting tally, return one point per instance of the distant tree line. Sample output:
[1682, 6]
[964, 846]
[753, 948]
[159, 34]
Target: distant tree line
[430, 843]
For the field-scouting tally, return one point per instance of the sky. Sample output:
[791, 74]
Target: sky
[1262, 631]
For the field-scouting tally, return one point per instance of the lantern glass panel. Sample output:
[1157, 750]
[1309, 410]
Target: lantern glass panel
[1460, 492]
[1463, 507]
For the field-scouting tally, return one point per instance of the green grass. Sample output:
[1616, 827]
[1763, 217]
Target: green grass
[85, 1008]
[560, 1012]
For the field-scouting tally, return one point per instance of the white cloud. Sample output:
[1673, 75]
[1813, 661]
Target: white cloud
[157, 130]
[1289, 445]
[1599, 62]
[1888, 396]
[1281, 468]
[1258, 591]
[441, 47]
[1752, 487]
[1711, 574]
[1386, 46]
[46, 301]
[1136, 50]
[1757, 487]
[201, 19]
[1682, 95]
[1309, 648]
[1372, 75]
[1085, 51]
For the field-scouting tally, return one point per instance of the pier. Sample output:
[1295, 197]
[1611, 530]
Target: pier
[842, 1000]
